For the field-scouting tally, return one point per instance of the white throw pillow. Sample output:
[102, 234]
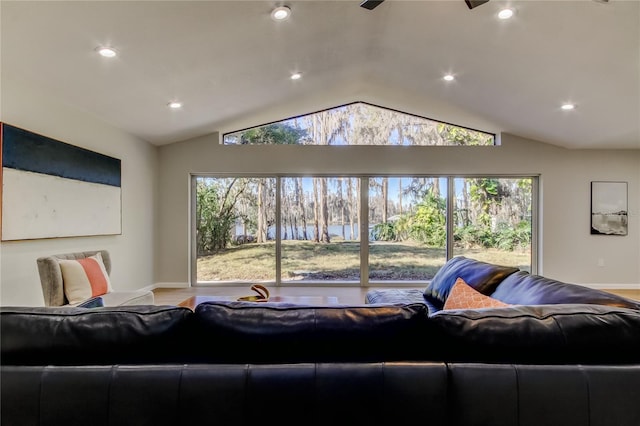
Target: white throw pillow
[84, 278]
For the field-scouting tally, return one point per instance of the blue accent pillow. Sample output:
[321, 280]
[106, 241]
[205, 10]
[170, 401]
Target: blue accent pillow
[482, 276]
[94, 302]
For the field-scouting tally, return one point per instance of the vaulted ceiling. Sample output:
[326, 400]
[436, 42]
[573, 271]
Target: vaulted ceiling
[229, 62]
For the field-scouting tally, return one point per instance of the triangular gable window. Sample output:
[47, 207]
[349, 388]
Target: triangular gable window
[359, 123]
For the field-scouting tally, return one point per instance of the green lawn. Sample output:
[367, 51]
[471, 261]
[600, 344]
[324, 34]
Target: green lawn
[301, 260]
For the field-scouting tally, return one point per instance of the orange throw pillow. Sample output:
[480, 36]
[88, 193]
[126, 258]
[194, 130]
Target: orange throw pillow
[463, 296]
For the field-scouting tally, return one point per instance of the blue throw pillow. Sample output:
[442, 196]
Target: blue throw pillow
[482, 276]
[94, 302]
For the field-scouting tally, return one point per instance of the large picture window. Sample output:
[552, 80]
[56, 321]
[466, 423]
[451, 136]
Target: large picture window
[359, 123]
[319, 230]
[233, 225]
[356, 230]
[492, 220]
[407, 218]
[360, 229]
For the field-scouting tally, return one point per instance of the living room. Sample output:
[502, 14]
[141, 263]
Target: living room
[153, 249]
[547, 349]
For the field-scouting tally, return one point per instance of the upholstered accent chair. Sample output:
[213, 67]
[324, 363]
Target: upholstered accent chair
[53, 283]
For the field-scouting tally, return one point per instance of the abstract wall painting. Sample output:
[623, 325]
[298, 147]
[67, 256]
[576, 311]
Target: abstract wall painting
[52, 189]
[609, 214]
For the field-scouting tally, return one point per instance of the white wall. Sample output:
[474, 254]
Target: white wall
[154, 245]
[568, 251]
[132, 252]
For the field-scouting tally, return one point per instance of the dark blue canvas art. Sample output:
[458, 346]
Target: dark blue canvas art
[54, 189]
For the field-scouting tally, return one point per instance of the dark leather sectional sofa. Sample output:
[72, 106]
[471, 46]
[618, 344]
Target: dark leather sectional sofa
[563, 355]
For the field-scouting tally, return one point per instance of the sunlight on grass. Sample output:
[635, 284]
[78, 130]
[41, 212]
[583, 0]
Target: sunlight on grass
[246, 262]
[519, 259]
[304, 260]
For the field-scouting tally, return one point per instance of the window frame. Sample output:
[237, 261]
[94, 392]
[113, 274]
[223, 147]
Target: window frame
[363, 231]
[494, 137]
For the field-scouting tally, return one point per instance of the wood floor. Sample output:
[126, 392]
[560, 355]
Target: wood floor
[631, 294]
[345, 295]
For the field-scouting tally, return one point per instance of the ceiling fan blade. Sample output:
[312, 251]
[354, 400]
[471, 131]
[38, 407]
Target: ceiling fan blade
[475, 3]
[371, 4]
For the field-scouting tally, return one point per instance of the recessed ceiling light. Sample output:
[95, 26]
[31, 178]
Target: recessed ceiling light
[174, 105]
[448, 77]
[296, 76]
[107, 52]
[280, 13]
[568, 106]
[505, 13]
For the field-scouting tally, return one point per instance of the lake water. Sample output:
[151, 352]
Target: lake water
[610, 224]
[334, 231]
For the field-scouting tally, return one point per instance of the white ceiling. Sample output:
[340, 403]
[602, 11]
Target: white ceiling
[229, 62]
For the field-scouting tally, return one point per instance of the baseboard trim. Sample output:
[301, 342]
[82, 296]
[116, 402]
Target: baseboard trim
[170, 285]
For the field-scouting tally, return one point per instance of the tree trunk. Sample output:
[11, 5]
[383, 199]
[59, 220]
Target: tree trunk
[324, 210]
[358, 208]
[303, 213]
[262, 222]
[400, 196]
[350, 207]
[316, 213]
[436, 187]
[385, 199]
[341, 198]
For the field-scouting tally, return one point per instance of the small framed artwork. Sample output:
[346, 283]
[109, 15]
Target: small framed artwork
[609, 215]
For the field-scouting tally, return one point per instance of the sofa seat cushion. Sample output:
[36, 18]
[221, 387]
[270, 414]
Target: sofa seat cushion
[483, 277]
[118, 298]
[525, 289]
[554, 334]
[280, 332]
[127, 298]
[80, 336]
[402, 296]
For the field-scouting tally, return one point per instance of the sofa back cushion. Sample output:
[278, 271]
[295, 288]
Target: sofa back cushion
[481, 276]
[525, 289]
[279, 332]
[80, 336]
[543, 334]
